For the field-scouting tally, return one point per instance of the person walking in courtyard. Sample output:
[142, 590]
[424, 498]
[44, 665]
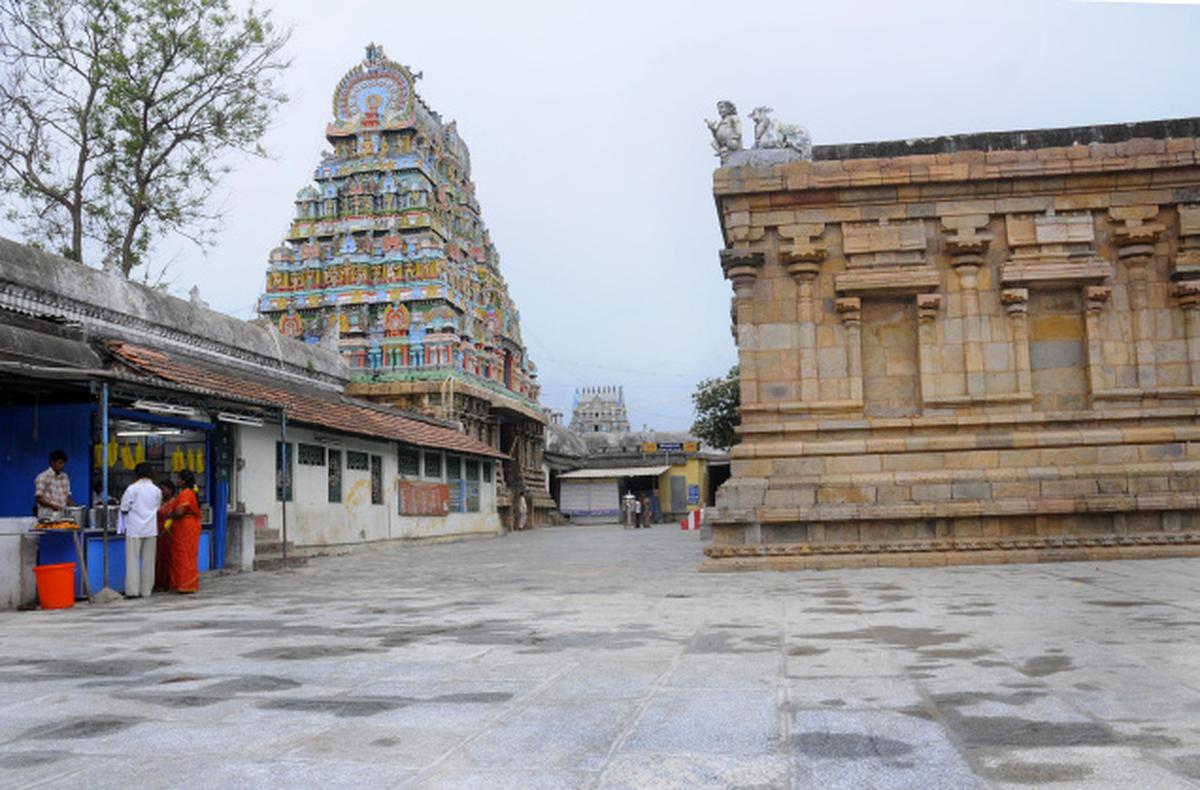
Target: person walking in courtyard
[644, 502]
[162, 555]
[139, 523]
[185, 536]
[522, 511]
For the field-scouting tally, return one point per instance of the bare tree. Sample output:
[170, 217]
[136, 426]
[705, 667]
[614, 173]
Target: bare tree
[53, 116]
[119, 116]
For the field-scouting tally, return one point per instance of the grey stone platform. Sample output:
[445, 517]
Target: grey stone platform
[599, 657]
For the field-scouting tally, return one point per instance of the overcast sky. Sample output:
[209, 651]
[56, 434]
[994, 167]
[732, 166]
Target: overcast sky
[592, 163]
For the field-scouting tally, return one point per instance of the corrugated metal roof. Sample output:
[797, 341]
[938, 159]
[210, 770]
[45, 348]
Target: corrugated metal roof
[620, 471]
[338, 413]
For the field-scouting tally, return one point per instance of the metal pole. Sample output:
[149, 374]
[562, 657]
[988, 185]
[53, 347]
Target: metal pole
[104, 471]
[283, 475]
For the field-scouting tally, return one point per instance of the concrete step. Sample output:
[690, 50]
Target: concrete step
[266, 535]
[275, 562]
[274, 547]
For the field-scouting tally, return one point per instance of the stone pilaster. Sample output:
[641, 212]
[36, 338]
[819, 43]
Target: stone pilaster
[1134, 233]
[802, 260]
[742, 267]
[1016, 304]
[849, 310]
[928, 306]
[1188, 293]
[1096, 297]
[966, 245]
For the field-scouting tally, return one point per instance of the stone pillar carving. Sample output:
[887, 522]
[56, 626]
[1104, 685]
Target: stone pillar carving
[966, 246]
[849, 310]
[741, 267]
[928, 306]
[1096, 296]
[1134, 233]
[802, 260]
[1188, 293]
[1016, 302]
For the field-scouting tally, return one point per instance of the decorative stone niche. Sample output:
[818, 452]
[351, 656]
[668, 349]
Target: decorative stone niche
[885, 258]
[1051, 250]
[1186, 264]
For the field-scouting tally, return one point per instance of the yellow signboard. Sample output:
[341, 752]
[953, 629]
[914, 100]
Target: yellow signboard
[650, 447]
[691, 447]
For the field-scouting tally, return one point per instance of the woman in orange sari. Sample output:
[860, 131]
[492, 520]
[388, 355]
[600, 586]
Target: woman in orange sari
[162, 552]
[185, 536]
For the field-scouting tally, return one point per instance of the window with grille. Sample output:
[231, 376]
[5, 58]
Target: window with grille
[357, 461]
[433, 465]
[471, 488]
[454, 478]
[487, 471]
[376, 480]
[310, 455]
[335, 475]
[410, 461]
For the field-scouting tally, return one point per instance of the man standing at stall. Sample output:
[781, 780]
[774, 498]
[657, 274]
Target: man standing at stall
[52, 488]
[139, 522]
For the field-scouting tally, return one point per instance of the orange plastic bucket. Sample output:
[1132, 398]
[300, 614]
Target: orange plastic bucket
[56, 585]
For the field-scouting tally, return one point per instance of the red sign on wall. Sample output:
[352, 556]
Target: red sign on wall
[424, 499]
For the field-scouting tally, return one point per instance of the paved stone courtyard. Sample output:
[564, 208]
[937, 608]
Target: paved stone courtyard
[598, 657]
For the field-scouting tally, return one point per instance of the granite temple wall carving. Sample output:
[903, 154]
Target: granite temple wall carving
[965, 349]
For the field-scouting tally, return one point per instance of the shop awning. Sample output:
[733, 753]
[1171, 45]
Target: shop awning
[620, 471]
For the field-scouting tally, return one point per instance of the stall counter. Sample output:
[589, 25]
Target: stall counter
[55, 546]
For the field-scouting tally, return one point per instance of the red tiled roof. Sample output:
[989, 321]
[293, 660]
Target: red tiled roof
[336, 412]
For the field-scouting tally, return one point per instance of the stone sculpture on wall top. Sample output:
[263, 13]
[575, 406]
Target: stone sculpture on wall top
[769, 133]
[726, 130]
[774, 142]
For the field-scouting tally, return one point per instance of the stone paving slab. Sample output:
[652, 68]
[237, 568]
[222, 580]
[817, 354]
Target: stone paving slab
[598, 657]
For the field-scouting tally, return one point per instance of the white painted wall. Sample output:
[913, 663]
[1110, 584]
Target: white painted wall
[18, 552]
[315, 521]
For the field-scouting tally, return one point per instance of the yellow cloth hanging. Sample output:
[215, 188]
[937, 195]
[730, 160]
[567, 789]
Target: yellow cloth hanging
[139, 452]
[127, 457]
[113, 451]
[191, 460]
[200, 461]
[97, 455]
[177, 460]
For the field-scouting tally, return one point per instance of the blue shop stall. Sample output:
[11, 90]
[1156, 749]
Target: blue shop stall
[169, 436]
[167, 442]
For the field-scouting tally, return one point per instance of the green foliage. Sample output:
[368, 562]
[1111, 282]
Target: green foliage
[717, 402]
[118, 117]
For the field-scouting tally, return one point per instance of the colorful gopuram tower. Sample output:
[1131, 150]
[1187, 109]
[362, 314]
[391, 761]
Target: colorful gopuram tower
[388, 258]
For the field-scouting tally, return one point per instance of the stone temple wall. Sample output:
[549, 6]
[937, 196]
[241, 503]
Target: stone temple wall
[988, 351]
